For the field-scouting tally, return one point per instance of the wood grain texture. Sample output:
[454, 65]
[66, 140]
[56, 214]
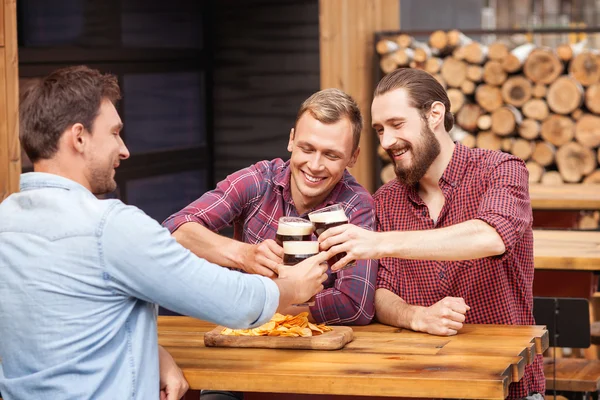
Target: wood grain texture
[565, 197]
[4, 160]
[567, 250]
[333, 340]
[574, 375]
[2, 26]
[12, 94]
[346, 53]
[382, 360]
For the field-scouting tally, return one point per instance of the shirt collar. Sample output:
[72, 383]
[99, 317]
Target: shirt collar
[283, 178]
[457, 166]
[42, 180]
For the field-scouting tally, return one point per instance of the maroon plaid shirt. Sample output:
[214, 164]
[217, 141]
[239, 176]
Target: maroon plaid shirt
[254, 198]
[477, 184]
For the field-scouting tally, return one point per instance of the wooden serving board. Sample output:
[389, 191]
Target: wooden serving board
[332, 340]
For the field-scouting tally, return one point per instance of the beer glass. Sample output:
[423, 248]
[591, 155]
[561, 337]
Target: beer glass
[326, 218]
[293, 229]
[298, 251]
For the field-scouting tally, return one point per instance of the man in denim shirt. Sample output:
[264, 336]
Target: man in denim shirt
[80, 277]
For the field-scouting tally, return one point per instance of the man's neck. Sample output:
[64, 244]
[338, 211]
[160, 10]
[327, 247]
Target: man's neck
[303, 206]
[59, 167]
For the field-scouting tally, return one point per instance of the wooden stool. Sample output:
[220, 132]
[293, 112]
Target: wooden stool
[572, 374]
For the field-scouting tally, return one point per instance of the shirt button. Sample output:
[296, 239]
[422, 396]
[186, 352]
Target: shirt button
[441, 275]
[424, 213]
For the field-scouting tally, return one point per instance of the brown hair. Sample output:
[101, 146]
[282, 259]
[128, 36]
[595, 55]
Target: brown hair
[331, 105]
[423, 90]
[50, 105]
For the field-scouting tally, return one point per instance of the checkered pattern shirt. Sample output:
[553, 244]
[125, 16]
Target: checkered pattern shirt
[254, 198]
[477, 184]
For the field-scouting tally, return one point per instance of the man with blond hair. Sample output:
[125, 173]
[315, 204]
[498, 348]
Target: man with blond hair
[323, 143]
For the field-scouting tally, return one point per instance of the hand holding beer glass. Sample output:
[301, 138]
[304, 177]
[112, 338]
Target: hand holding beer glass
[296, 252]
[295, 235]
[326, 218]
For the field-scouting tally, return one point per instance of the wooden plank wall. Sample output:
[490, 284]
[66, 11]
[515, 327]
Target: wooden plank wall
[10, 163]
[266, 64]
[347, 61]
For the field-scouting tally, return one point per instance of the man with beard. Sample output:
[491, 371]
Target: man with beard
[80, 277]
[454, 237]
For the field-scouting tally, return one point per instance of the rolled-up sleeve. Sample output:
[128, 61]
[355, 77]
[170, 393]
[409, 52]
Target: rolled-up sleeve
[142, 260]
[506, 205]
[218, 208]
[351, 300]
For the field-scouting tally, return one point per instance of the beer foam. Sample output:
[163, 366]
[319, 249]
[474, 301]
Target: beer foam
[307, 247]
[328, 217]
[295, 227]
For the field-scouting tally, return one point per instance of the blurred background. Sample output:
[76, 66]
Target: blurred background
[210, 87]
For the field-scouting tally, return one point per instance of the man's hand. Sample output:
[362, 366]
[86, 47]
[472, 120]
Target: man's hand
[444, 318]
[172, 382]
[263, 258]
[357, 242]
[300, 282]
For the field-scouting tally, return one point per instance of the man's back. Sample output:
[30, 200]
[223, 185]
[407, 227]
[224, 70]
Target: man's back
[59, 316]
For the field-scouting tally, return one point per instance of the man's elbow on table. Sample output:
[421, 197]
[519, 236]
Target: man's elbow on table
[357, 315]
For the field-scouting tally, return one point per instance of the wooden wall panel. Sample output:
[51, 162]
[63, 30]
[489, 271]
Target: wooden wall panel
[4, 160]
[347, 61]
[1, 26]
[10, 165]
[266, 65]
[12, 93]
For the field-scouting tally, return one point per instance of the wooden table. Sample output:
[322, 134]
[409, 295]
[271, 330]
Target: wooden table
[566, 263]
[479, 363]
[565, 197]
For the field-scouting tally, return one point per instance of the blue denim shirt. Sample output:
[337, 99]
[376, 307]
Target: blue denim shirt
[79, 280]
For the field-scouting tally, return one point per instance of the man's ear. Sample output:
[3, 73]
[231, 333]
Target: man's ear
[291, 141]
[77, 137]
[436, 115]
[354, 158]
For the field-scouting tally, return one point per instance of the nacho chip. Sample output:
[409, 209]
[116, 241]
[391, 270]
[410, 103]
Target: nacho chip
[283, 325]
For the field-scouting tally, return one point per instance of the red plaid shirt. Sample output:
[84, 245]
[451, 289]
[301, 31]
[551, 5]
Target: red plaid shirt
[477, 184]
[253, 199]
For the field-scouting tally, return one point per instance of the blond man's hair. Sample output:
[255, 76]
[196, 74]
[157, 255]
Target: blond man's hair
[331, 105]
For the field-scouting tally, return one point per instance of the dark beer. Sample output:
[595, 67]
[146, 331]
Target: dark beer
[321, 227]
[295, 252]
[323, 220]
[292, 229]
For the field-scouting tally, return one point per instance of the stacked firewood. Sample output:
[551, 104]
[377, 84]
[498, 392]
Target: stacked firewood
[540, 104]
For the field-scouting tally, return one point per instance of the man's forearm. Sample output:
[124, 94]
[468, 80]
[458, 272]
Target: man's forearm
[465, 241]
[390, 309]
[211, 246]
